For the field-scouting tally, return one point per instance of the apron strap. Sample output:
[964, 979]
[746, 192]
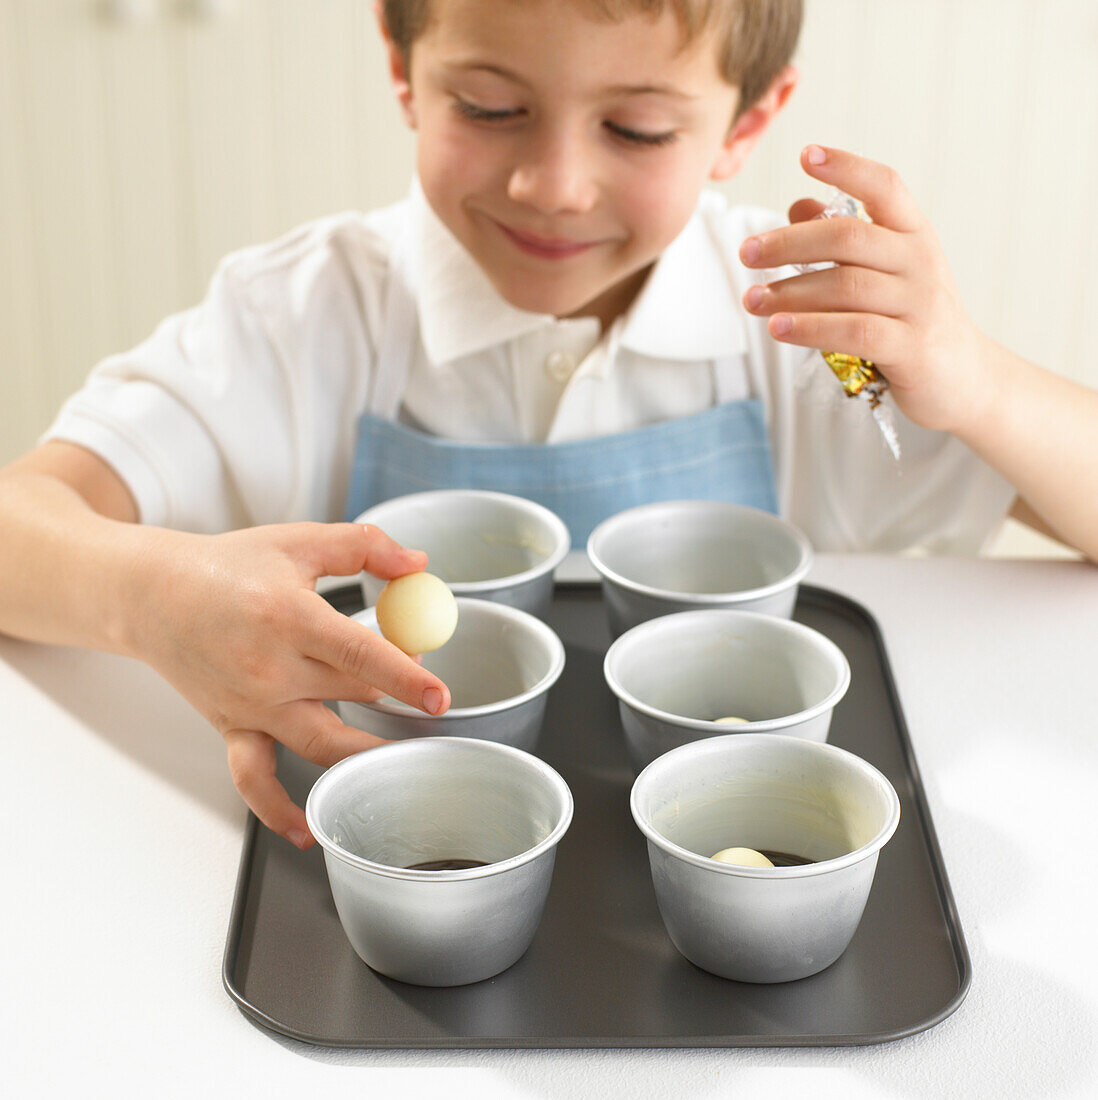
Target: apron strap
[398, 338]
[728, 380]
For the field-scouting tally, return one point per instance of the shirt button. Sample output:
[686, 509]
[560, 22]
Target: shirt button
[560, 365]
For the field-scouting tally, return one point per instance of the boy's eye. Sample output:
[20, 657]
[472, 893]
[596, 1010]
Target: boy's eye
[640, 137]
[482, 114]
[488, 114]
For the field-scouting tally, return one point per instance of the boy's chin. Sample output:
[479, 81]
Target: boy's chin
[604, 303]
[534, 300]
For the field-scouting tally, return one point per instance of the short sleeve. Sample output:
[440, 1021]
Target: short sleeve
[242, 410]
[174, 416]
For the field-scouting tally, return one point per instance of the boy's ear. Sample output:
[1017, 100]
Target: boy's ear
[752, 124]
[398, 68]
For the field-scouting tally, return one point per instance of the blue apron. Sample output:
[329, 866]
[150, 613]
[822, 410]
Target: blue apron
[722, 453]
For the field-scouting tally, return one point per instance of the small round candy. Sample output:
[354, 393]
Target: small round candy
[731, 720]
[417, 612]
[743, 857]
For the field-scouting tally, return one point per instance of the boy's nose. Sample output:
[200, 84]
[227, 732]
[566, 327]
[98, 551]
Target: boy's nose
[554, 176]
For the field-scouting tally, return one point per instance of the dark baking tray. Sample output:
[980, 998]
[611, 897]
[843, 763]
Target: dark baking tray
[601, 971]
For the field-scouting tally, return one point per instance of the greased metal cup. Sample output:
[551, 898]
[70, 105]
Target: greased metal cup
[683, 555]
[484, 545]
[499, 666]
[380, 812]
[675, 677]
[775, 793]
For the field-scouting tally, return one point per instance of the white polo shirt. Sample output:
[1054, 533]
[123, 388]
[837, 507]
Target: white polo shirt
[243, 410]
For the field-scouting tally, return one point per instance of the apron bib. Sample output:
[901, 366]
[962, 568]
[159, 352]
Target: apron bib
[720, 454]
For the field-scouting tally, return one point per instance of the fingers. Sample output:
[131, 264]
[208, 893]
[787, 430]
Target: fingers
[327, 683]
[357, 652]
[826, 240]
[342, 549]
[386, 558]
[316, 734]
[878, 339]
[845, 289]
[864, 303]
[809, 239]
[307, 728]
[324, 682]
[311, 679]
[885, 197]
[252, 765]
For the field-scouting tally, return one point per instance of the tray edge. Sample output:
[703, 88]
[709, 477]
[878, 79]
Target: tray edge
[815, 593]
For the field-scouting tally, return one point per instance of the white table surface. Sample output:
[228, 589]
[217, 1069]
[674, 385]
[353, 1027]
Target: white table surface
[124, 836]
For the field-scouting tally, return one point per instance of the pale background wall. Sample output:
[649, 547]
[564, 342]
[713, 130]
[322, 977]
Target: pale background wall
[140, 140]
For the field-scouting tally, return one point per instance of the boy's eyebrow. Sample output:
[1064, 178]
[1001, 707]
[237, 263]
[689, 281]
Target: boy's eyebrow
[614, 89]
[649, 89]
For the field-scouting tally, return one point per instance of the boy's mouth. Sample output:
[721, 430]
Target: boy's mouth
[551, 248]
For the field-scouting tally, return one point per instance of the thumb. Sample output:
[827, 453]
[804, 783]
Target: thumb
[804, 210]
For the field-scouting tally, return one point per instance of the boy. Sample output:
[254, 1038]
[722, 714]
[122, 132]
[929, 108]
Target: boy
[553, 312]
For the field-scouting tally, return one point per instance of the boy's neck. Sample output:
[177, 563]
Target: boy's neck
[615, 302]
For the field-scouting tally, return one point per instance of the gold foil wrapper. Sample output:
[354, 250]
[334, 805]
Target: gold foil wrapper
[854, 373]
[859, 377]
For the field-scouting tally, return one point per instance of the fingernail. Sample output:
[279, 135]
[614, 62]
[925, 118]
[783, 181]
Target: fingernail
[755, 297]
[816, 155]
[750, 250]
[781, 324]
[298, 839]
[432, 700]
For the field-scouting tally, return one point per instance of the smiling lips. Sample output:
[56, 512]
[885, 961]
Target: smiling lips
[550, 248]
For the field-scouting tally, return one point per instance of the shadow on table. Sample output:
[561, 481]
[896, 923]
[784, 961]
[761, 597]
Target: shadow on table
[138, 713]
[1015, 1056]
[1019, 1033]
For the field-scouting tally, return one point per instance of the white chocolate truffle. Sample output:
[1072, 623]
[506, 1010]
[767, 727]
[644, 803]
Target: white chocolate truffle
[731, 720]
[743, 857]
[417, 612]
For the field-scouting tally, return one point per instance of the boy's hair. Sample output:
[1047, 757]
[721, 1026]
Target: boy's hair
[757, 37]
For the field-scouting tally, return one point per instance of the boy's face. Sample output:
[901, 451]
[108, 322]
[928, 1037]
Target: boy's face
[566, 153]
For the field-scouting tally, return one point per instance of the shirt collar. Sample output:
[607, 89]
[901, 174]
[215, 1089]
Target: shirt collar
[686, 309]
[460, 312]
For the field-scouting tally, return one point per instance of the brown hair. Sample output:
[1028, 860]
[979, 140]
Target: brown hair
[758, 37]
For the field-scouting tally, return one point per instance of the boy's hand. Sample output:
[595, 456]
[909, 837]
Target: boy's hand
[891, 299]
[234, 624]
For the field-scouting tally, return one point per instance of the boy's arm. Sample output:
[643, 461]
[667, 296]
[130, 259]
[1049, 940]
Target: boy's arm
[891, 299]
[232, 621]
[1040, 431]
[1024, 514]
[65, 535]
